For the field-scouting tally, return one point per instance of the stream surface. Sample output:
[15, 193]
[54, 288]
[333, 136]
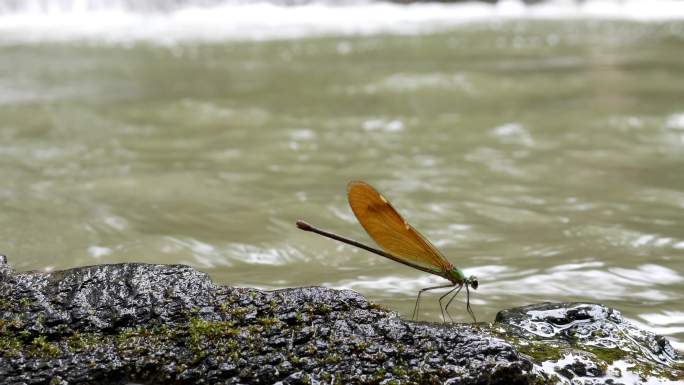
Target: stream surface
[542, 152]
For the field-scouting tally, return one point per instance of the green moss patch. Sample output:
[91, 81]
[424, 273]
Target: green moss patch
[541, 351]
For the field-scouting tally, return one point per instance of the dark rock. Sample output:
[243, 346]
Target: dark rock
[162, 324]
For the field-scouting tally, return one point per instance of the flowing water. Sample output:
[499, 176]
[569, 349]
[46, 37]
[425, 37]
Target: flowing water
[542, 154]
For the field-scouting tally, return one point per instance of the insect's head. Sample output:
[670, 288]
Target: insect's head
[472, 280]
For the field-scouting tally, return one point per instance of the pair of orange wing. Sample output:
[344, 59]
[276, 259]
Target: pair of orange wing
[389, 230]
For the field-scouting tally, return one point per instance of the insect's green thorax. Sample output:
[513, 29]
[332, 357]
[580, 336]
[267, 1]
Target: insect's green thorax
[457, 276]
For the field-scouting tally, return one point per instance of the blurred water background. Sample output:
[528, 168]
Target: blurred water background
[540, 146]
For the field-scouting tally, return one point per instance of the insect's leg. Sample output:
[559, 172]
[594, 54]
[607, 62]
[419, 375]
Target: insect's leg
[442, 307]
[470, 311]
[416, 307]
[446, 308]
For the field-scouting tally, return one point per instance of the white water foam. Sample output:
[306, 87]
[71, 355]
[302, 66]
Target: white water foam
[116, 22]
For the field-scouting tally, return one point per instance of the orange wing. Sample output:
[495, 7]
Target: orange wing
[384, 224]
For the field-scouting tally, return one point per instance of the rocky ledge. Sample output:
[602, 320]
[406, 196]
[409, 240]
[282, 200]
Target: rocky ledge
[170, 324]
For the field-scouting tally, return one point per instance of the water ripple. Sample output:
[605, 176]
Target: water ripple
[562, 281]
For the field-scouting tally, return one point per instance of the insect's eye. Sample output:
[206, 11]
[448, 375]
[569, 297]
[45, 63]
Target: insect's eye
[473, 282]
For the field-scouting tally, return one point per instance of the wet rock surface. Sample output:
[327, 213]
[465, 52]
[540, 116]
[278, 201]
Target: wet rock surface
[170, 324]
[584, 343]
[162, 324]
